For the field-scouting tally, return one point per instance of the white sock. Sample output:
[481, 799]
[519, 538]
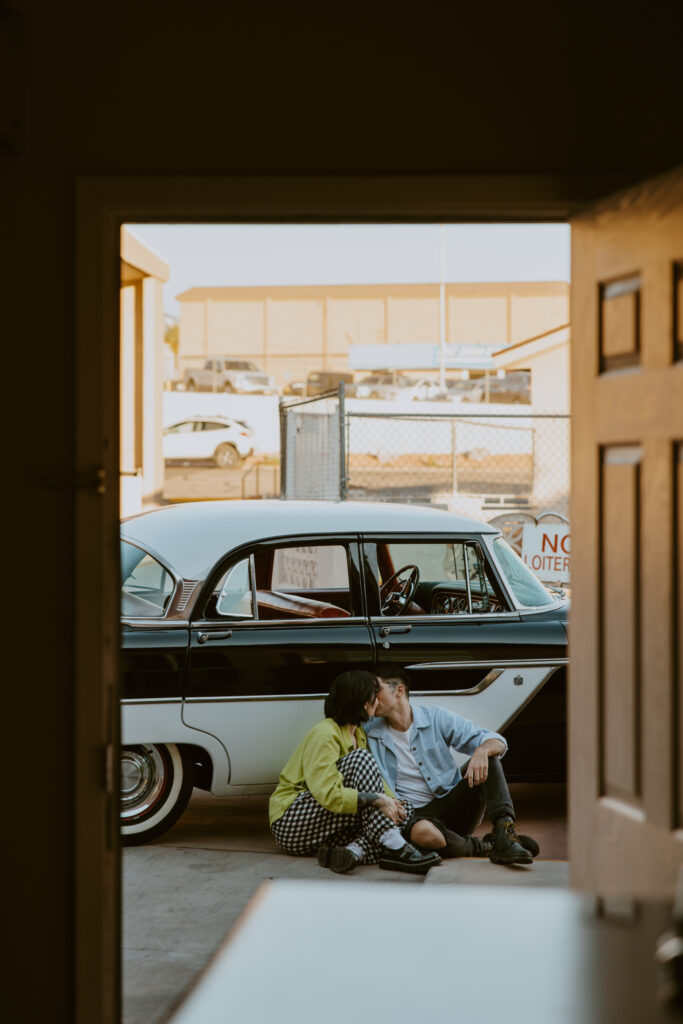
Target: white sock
[392, 839]
[355, 848]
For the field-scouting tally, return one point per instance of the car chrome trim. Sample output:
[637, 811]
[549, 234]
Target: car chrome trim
[418, 620]
[155, 623]
[186, 591]
[516, 663]
[480, 686]
[483, 684]
[256, 696]
[205, 624]
[151, 700]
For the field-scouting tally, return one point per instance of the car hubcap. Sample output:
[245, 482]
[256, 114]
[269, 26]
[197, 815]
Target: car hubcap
[143, 780]
[227, 458]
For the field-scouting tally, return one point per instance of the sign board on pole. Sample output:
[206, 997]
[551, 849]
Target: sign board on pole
[547, 550]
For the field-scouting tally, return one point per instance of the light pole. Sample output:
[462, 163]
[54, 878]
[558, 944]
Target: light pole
[442, 308]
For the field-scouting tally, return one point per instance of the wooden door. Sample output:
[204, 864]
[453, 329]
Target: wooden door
[626, 625]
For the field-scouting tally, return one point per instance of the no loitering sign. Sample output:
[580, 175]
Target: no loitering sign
[547, 550]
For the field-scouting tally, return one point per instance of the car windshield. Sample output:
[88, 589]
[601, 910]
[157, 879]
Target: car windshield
[145, 585]
[526, 587]
[241, 364]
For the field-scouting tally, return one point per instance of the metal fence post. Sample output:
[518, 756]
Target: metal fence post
[283, 449]
[342, 441]
[454, 455]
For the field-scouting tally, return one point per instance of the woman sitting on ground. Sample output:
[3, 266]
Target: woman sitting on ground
[331, 799]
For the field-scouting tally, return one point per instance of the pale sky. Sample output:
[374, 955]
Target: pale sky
[286, 254]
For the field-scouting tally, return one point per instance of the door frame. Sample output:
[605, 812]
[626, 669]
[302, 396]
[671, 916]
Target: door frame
[102, 206]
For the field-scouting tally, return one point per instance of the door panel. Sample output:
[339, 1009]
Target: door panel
[153, 660]
[259, 686]
[627, 428]
[620, 613]
[485, 668]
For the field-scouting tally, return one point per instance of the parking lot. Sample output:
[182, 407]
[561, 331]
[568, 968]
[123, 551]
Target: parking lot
[184, 892]
[254, 479]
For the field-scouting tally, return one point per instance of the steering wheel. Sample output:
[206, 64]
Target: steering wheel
[396, 594]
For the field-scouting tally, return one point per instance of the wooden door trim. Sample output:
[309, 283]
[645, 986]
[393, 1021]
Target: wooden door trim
[103, 204]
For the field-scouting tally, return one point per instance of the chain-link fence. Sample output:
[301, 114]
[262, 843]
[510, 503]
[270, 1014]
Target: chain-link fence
[483, 463]
[472, 463]
[312, 453]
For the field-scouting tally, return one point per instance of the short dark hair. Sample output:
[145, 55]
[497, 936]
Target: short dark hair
[389, 673]
[348, 696]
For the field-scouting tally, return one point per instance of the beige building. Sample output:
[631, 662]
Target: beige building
[143, 273]
[547, 356]
[290, 331]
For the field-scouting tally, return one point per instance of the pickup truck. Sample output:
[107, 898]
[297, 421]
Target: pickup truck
[237, 376]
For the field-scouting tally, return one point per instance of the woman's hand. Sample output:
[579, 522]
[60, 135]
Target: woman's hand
[393, 809]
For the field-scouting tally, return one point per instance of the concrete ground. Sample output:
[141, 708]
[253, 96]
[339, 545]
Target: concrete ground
[184, 892]
[201, 481]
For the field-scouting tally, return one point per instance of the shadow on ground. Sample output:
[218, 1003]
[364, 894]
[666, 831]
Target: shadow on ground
[184, 892]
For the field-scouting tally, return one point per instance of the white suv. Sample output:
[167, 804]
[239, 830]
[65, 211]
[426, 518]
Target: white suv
[225, 440]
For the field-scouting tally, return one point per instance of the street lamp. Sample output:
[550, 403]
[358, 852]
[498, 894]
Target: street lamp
[442, 308]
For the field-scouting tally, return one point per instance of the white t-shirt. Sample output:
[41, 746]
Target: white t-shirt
[410, 783]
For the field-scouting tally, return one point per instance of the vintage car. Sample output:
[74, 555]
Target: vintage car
[236, 616]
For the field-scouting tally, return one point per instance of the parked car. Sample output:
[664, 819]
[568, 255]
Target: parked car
[236, 616]
[421, 390]
[294, 387]
[465, 390]
[225, 440]
[238, 376]
[321, 381]
[513, 387]
[382, 385]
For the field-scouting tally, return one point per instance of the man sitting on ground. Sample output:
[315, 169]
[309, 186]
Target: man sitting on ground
[412, 745]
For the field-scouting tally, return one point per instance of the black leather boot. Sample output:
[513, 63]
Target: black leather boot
[506, 847]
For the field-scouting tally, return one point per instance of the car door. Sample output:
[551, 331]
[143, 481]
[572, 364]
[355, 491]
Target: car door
[180, 441]
[461, 638]
[154, 649]
[266, 643]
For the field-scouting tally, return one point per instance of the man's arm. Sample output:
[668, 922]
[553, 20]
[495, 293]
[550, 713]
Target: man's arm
[462, 734]
[478, 768]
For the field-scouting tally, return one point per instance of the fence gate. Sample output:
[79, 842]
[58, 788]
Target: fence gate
[312, 447]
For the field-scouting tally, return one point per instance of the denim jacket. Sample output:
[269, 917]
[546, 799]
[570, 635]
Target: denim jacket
[433, 733]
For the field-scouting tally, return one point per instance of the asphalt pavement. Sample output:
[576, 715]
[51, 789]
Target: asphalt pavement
[183, 893]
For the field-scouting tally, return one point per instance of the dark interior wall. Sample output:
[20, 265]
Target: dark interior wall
[359, 89]
[266, 88]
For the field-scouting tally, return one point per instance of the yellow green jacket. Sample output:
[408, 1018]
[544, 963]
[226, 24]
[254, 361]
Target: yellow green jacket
[313, 766]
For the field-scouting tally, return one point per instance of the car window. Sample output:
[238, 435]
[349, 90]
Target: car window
[526, 587]
[181, 428]
[310, 568]
[286, 583]
[212, 425]
[452, 577]
[235, 596]
[145, 585]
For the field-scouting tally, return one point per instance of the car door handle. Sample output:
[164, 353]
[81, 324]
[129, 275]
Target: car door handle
[224, 635]
[386, 630]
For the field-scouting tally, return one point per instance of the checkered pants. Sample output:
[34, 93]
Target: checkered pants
[306, 825]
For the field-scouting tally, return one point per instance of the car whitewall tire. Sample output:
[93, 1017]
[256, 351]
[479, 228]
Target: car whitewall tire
[156, 784]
